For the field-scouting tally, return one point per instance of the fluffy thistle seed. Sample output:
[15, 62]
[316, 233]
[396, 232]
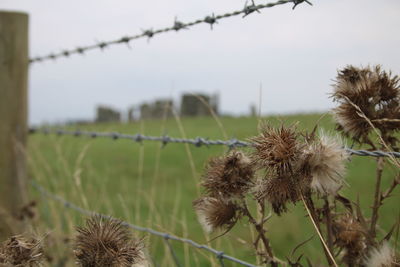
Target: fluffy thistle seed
[276, 149]
[230, 175]
[325, 159]
[382, 257]
[214, 213]
[375, 92]
[107, 242]
[21, 251]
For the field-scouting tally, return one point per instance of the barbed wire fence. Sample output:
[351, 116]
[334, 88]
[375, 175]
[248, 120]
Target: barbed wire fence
[220, 255]
[177, 26]
[211, 20]
[197, 142]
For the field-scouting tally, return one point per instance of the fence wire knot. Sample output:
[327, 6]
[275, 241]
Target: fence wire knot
[248, 9]
[138, 138]
[115, 135]
[80, 50]
[178, 25]
[167, 236]
[149, 33]
[199, 141]
[298, 2]
[102, 45]
[125, 39]
[220, 255]
[211, 20]
[165, 140]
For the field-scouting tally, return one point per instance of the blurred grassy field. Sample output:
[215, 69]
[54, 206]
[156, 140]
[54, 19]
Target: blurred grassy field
[154, 187]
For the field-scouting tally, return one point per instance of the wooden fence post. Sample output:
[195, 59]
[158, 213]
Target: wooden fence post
[13, 120]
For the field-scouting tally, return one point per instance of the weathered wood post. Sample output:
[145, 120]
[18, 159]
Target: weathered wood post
[13, 120]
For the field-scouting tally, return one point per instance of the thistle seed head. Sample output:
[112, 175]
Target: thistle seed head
[325, 159]
[214, 213]
[375, 92]
[21, 251]
[350, 236]
[230, 175]
[384, 256]
[107, 242]
[278, 191]
[276, 149]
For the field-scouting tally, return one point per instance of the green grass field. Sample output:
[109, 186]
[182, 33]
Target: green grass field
[154, 187]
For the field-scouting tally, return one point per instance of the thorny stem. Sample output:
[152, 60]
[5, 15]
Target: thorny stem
[377, 198]
[328, 221]
[261, 235]
[396, 181]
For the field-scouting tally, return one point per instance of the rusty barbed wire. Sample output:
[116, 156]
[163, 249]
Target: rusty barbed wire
[198, 141]
[177, 26]
[220, 255]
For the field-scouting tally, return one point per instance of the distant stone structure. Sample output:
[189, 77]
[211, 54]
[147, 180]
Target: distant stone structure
[198, 105]
[107, 114]
[158, 109]
[253, 110]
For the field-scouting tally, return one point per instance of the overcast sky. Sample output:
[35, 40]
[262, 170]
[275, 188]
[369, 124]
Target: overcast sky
[294, 54]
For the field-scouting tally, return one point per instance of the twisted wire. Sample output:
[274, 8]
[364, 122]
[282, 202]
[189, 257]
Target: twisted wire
[177, 25]
[219, 254]
[198, 141]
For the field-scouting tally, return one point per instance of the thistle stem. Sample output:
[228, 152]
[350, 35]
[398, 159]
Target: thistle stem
[328, 222]
[377, 197]
[396, 181]
[261, 235]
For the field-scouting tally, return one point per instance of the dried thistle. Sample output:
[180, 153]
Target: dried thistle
[230, 175]
[216, 212]
[107, 242]
[276, 148]
[325, 160]
[376, 93]
[350, 236]
[21, 251]
[384, 256]
[278, 191]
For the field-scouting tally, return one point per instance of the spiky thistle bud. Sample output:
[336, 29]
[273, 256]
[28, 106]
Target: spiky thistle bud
[278, 191]
[215, 212]
[325, 159]
[21, 251]
[276, 149]
[230, 175]
[107, 242]
[350, 236]
[384, 256]
[374, 92]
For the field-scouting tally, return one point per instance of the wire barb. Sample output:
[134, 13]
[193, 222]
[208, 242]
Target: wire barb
[197, 142]
[177, 26]
[220, 255]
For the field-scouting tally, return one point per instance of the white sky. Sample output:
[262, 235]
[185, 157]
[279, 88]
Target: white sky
[293, 54]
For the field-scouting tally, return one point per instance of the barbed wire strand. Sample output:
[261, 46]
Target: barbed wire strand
[198, 141]
[219, 254]
[177, 25]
